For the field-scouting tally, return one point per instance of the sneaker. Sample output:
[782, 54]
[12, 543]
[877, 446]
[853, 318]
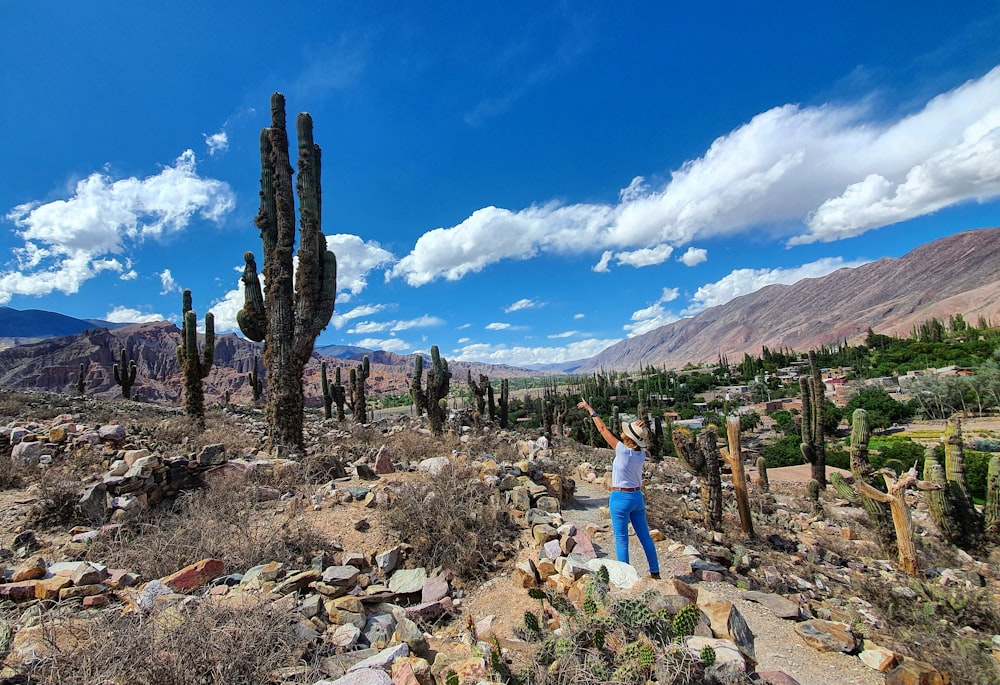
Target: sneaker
[654, 576]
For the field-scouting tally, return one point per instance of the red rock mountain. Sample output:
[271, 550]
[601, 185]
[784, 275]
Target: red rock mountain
[959, 274]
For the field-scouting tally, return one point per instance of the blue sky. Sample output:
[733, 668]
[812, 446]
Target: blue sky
[523, 183]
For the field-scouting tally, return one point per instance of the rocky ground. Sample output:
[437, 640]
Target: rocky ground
[809, 599]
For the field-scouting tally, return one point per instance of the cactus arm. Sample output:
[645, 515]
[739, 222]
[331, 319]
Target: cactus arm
[251, 318]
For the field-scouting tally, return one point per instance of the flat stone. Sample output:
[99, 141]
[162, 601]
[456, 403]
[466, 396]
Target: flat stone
[434, 589]
[388, 560]
[296, 582]
[31, 568]
[435, 466]
[20, 591]
[827, 636]
[195, 575]
[776, 604]
[383, 659]
[340, 575]
[727, 622]
[877, 658]
[913, 672]
[365, 676]
[777, 678]
[621, 575]
[408, 580]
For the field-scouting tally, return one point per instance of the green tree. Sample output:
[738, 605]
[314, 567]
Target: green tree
[883, 410]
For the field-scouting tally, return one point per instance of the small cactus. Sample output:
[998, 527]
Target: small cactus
[531, 622]
[844, 489]
[125, 375]
[707, 656]
[333, 393]
[81, 380]
[255, 381]
[685, 621]
[762, 480]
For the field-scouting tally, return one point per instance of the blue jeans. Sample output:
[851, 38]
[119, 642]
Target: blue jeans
[630, 506]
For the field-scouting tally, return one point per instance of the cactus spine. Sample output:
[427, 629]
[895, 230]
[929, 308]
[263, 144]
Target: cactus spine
[255, 381]
[125, 375]
[813, 445]
[193, 367]
[358, 401]
[289, 316]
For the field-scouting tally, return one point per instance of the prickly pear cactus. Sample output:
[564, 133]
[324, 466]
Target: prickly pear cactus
[685, 621]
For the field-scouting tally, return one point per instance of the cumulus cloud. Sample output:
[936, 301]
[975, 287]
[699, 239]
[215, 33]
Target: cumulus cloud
[127, 315]
[129, 275]
[67, 242]
[653, 316]
[523, 355]
[579, 316]
[497, 326]
[217, 143]
[356, 258]
[522, 304]
[167, 283]
[366, 327]
[743, 281]
[811, 173]
[387, 344]
[693, 256]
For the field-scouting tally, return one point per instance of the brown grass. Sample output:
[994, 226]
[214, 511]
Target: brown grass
[230, 522]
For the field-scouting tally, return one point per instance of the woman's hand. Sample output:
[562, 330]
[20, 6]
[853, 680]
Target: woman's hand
[583, 405]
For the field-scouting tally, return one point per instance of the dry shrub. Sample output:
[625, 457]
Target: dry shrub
[453, 520]
[414, 446]
[228, 522]
[13, 474]
[932, 627]
[210, 645]
[323, 466]
[58, 504]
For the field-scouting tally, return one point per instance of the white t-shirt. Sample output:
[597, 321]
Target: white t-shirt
[626, 469]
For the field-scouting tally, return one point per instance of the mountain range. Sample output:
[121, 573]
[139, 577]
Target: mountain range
[954, 275]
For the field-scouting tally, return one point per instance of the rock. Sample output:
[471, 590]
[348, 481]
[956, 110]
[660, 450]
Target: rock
[88, 574]
[94, 502]
[913, 672]
[827, 636]
[31, 568]
[876, 657]
[383, 659]
[729, 663]
[345, 636]
[388, 560]
[340, 575]
[212, 455]
[383, 461]
[549, 504]
[21, 591]
[195, 575]
[365, 676]
[776, 604]
[407, 581]
[621, 575]
[434, 589]
[48, 588]
[112, 433]
[776, 678]
[296, 582]
[525, 575]
[727, 622]
[27, 453]
[435, 466]
[467, 671]
[379, 629]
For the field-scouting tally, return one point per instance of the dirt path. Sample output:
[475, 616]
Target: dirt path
[778, 646]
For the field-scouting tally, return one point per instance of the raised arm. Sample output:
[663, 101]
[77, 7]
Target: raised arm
[605, 432]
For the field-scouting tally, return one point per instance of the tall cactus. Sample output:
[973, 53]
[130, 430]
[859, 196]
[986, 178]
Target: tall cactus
[358, 401]
[878, 512]
[255, 381]
[81, 380]
[416, 389]
[288, 317]
[193, 367]
[333, 393]
[992, 510]
[125, 375]
[952, 509]
[438, 384]
[701, 458]
[479, 391]
[813, 443]
[504, 403]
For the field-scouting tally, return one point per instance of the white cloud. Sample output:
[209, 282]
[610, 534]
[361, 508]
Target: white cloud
[129, 275]
[497, 326]
[224, 310]
[217, 142]
[693, 256]
[388, 344]
[814, 173]
[126, 315]
[356, 258]
[652, 317]
[338, 321]
[366, 327]
[522, 304]
[523, 355]
[579, 316]
[647, 256]
[167, 282]
[564, 334]
[743, 281]
[602, 264]
[462, 341]
[67, 242]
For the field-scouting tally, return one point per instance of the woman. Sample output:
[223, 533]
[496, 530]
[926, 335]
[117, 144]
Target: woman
[626, 501]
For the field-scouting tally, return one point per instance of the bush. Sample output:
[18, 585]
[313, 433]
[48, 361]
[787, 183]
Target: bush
[785, 452]
[227, 523]
[905, 450]
[213, 645]
[453, 520]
